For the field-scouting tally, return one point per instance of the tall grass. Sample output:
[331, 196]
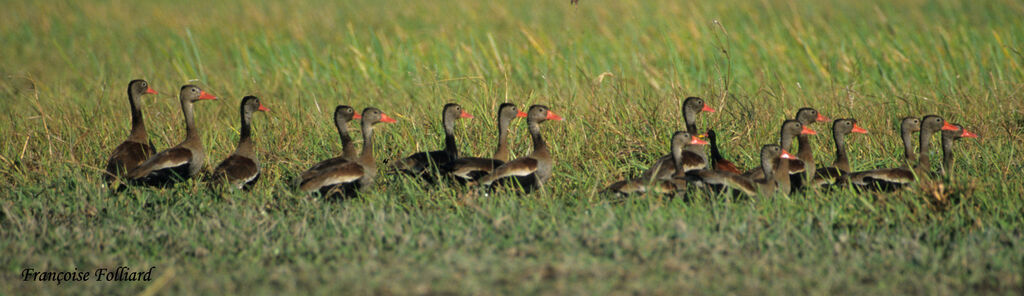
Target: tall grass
[616, 70]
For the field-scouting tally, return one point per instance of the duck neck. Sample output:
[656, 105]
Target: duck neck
[785, 140]
[540, 148]
[841, 162]
[449, 138]
[677, 157]
[781, 176]
[502, 152]
[191, 132]
[690, 118]
[947, 155]
[347, 148]
[908, 146]
[138, 132]
[367, 155]
[245, 139]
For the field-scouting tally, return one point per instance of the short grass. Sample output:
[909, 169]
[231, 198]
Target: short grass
[616, 70]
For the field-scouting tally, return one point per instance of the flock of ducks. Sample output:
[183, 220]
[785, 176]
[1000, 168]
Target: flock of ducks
[136, 162]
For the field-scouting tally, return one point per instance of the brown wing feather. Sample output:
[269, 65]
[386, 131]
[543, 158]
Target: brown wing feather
[462, 167]
[519, 167]
[347, 172]
[169, 158]
[236, 168]
[316, 168]
[126, 157]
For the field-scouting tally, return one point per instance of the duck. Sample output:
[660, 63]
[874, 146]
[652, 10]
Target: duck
[241, 170]
[948, 137]
[891, 179]
[775, 177]
[679, 142]
[693, 158]
[342, 115]
[426, 165]
[530, 171]
[181, 162]
[790, 128]
[841, 165]
[349, 177]
[806, 116]
[718, 162]
[137, 148]
[908, 126]
[471, 169]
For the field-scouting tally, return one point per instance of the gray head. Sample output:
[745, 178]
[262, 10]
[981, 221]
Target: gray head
[344, 114]
[139, 87]
[683, 139]
[792, 127]
[696, 105]
[935, 123]
[541, 113]
[251, 104]
[772, 151]
[845, 126]
[509, 111]
[192, 93]
[808, 116]
[373, 115]
[453, 111]
[910, 124]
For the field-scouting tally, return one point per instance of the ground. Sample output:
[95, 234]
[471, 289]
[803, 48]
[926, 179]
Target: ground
[616, 70]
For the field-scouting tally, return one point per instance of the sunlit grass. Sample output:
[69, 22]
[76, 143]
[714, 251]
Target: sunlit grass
[616, 70]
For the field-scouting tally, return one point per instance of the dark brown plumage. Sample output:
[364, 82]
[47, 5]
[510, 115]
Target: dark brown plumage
[533, 170]
[342, 115]
[679, 142]
[775, 180]
[137, 148]
[948, 137]
[241, 169]
[180, 162]
[841, 166]
[718, 162]
[347, 178]
[693, 158]
[891, 179]
[427, 165]
[790, 128]
[470, 169]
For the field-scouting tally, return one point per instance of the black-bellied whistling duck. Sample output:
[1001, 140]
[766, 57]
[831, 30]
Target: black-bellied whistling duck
[909, 126]
[342, 115]
[679, 142]
[469, 169]
[346, 178]
[137, 148]
[776, 178]
[534, 169]
[807, 117]
[790, 128]
[841, 166]
[241, 169]
[693, 156]
[180, 162]
[426, 164]
[948, 137]
[718, 162]
[892, 179]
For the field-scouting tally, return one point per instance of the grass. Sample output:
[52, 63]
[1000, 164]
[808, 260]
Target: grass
[616, 70]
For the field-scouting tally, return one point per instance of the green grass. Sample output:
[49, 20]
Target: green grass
[65, 66]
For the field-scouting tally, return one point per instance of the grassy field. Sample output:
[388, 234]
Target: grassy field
[616, 70]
